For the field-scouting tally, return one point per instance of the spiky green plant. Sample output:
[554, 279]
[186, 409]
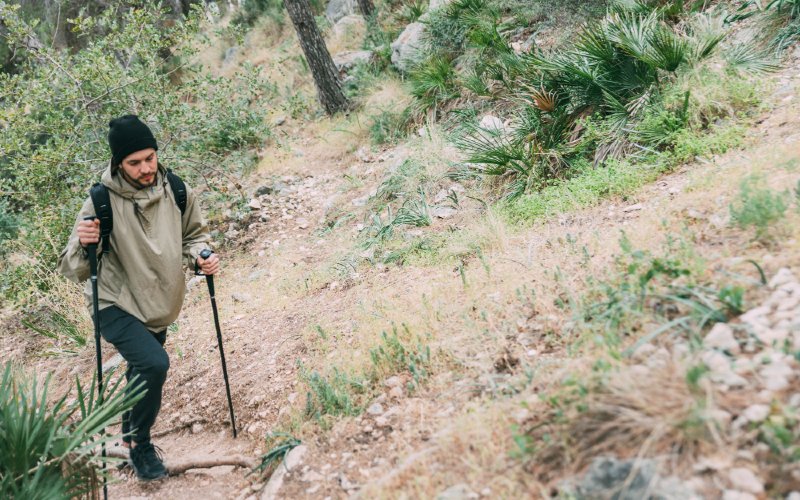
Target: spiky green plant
[52, 450]
[282, 443]
[433, 82]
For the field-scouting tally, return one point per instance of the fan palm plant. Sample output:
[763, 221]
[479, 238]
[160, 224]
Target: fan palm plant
[51, 451]
[616, 68]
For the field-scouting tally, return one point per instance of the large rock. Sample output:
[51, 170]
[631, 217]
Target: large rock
[406, 50]
[345, 61]
[338, 9]
[350, 26]
[615, 479]
[291, 462]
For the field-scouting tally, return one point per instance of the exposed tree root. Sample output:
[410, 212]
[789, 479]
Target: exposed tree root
[179, 467]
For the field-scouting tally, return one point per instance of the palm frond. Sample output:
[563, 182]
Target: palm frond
[707, 31]
[750, 59]
[666, 51]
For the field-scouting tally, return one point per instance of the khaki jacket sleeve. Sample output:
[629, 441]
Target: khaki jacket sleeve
[73, 262]
[196, 236]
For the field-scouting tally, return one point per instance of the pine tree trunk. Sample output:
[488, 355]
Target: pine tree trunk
[319, 59]
[366, 7]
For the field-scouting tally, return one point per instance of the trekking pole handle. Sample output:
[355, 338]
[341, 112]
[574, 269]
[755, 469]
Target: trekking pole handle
[91, 249]
[206, 253]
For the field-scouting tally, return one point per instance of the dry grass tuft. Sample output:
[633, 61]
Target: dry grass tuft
[636, 413]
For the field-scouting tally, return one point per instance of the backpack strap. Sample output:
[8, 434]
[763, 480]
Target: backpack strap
[178, 189]
[102, 208]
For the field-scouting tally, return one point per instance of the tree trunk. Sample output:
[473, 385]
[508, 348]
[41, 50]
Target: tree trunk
[366, 7]
[319, 59]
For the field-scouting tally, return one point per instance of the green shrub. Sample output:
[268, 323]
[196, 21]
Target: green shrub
[9, 226]
[55, 110]
[758, 207]
[51, 450]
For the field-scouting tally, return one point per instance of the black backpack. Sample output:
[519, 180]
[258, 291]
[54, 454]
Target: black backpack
[102, 205]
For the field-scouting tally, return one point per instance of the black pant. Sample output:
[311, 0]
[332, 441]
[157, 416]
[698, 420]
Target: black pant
[147, 359]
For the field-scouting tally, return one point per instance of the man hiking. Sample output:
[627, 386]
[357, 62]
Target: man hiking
[141, 281]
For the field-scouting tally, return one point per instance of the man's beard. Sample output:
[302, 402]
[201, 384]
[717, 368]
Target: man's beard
[135, 183]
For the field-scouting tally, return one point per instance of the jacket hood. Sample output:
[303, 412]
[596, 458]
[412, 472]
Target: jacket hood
[114, 181]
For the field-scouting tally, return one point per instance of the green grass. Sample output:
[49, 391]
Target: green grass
[332, 394]
[388, 127]
[758, 207]
[395, 355]
[617, 178]
[339, 393]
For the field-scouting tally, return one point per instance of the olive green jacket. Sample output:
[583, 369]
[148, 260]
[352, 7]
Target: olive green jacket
[142, 274]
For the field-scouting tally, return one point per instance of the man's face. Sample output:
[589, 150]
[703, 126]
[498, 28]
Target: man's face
[139, 168]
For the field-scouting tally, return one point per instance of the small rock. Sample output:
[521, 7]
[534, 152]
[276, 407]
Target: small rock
[241, 297]
[458, 491]
[744, 479]
[737, 495]
[114, 362]
[302, 223]
[375, 409]
[394, 381]
[345, 61]
[279, 121]
[256, 275]
[643, 352]
[346, 484]
[254, 204]
[721, 337]
[782, 277]
[633, 208]
[716, 362]
[776, 376]
[443, 212]
[197, 428]
[311, 476]
[381, 421]
[396, 392]
[360, 201]
[492, 123]
[756, 413]
[712, 464]
[693, 213]
[795, 495]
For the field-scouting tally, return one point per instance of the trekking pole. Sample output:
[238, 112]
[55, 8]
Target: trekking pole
[210, 282]
[92, 250]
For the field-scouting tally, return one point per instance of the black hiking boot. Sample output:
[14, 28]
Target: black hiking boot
[147, 462]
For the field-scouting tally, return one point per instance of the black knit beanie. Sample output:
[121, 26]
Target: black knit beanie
[128, 134]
